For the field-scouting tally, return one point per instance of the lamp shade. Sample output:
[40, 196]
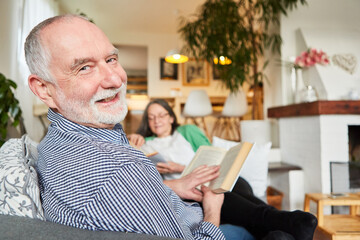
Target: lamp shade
[174, 56]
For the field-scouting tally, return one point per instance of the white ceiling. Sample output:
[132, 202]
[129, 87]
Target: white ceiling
[147, 16]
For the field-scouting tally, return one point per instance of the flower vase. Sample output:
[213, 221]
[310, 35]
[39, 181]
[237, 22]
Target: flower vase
[303, 91]
[297, 84]
[309, 94]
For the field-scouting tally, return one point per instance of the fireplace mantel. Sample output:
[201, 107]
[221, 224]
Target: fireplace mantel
[315, 108]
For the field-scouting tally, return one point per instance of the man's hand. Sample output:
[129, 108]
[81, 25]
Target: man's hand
[185, 187]
[136, 140]
[170, 167]
[212, 204]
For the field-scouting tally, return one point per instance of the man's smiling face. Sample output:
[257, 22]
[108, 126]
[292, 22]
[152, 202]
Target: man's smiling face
[90, 84]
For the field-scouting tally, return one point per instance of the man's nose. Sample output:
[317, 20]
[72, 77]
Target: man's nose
[110, 76]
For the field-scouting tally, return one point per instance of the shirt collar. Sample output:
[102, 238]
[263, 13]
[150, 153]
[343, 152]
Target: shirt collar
[115, 135]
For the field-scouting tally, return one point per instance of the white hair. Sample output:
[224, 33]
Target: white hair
[37, 56]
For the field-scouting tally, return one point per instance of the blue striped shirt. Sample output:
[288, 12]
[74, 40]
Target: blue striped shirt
[93, 179]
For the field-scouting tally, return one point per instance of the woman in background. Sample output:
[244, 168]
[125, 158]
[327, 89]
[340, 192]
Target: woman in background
[160, 132]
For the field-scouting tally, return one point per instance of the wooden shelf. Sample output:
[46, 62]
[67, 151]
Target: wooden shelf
[315, 108]
[137, 79]
[136, 85]
[282, 167]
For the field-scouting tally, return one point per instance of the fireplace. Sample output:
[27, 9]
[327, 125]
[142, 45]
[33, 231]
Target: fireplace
[354, 143]
[354, 156]
[312, 135]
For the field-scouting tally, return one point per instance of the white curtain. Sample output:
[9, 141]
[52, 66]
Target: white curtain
[33, 12]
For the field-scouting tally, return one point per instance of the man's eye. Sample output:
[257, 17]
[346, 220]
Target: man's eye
[111, 60]
[84, 68]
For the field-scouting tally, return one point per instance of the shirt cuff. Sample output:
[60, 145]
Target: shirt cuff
[207, 230]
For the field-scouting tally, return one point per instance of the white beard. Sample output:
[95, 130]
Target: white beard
[88, 112]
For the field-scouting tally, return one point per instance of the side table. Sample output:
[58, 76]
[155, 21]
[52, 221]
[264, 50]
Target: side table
[335, 226]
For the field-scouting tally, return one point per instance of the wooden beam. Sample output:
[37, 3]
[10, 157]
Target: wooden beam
[315, 108]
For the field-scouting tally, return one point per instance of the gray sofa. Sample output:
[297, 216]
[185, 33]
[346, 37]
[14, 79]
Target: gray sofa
[15, 227]
[21, 214]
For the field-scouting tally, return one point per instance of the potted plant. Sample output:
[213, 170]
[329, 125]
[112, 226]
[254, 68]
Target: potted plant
[10, 111]
[238, 31]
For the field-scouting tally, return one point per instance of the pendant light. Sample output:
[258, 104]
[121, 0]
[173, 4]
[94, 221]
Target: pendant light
[222, 60]
[174, 56]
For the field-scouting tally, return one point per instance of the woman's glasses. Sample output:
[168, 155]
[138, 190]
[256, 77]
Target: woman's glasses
[159, 117]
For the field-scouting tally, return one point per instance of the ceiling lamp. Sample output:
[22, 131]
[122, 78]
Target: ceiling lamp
[174, 56]
[222, 60]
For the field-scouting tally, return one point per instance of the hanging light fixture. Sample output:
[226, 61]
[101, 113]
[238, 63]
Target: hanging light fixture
[174, 56]
[222, 60]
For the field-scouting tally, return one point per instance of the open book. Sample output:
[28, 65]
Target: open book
[149, 152]
[155, 158]
[230, 162]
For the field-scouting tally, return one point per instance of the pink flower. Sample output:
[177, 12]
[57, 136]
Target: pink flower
[310, 58]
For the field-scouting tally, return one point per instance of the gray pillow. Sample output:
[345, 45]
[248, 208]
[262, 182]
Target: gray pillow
[19, 190]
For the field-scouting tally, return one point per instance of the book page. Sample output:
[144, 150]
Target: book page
[205, 155]
[230, 167]
[147, 150]
[226, 164]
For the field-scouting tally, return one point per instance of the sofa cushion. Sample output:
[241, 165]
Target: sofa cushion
[255, 168]
[14, 227]
[19, 190]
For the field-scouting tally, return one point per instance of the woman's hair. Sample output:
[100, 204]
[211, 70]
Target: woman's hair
[144, 129]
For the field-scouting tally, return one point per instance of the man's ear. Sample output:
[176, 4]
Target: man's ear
[41, 89]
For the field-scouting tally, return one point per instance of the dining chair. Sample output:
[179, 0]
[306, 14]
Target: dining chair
[227, 124]
[198, 106]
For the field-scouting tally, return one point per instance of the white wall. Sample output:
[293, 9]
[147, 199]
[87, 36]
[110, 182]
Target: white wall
[10, 13]
[318, 14]
[326, 78]
[8, 36]
[132, 57]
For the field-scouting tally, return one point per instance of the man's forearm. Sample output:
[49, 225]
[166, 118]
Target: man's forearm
[212, 217]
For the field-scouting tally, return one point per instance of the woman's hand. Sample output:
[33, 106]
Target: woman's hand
[136, 140]
[185, 187]
[170, 167]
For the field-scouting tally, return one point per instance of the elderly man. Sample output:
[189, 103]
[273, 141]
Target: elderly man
[90, 177]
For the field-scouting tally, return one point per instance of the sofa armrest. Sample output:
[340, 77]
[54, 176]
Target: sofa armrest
[14, 227]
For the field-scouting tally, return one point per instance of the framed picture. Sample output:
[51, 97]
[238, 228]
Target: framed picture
[215, 73]
[168, 71]
[196, 73]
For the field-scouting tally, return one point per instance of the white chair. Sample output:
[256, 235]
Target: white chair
[198, 105]
[228, 123]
